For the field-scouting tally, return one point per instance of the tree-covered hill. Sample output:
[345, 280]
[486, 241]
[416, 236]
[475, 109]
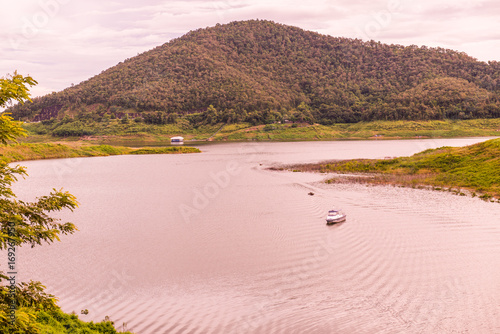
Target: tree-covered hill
[261, 72]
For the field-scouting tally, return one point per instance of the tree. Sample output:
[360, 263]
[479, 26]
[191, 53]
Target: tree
[13, 88]
[24, 222]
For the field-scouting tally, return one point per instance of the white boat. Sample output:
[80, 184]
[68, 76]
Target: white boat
[335, 216]
[177, 140]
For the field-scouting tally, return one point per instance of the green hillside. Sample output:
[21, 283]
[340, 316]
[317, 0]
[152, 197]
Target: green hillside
[263, 72]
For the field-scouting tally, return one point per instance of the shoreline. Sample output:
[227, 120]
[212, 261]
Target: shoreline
[402, 171]
[373, 179]
[116, 133]
[44, 151]
[465, 171]
[33, 148]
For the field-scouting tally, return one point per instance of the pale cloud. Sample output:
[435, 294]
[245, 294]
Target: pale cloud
[60, 42]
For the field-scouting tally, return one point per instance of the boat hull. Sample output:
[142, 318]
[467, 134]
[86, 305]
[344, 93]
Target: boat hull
[331, 221]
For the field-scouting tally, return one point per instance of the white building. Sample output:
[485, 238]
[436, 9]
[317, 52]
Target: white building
[176, 140]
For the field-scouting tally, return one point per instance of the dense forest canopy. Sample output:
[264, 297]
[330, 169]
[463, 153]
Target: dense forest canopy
[262, 72]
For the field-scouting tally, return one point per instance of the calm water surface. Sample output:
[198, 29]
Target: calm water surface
[214, 243]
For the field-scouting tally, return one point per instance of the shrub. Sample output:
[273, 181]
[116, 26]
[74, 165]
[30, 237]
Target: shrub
[73, 129]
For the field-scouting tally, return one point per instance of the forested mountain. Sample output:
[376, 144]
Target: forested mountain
[261, 71]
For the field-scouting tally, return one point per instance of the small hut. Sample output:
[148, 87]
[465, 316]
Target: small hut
[177, 140]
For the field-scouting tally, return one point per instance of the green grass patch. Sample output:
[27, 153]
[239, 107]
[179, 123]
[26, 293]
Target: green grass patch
[475, 168]
[36, 151]
[166, 150]
[57, 322]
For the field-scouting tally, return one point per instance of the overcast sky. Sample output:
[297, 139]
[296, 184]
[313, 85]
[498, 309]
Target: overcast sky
[60, 42]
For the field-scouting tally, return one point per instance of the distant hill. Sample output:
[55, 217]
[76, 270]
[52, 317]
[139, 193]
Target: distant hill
[261, 71]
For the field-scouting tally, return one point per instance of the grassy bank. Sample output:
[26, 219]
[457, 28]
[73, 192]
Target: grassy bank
[363, 130]
[36, 151]
[473, 169]
[114, 129]
[132, 133]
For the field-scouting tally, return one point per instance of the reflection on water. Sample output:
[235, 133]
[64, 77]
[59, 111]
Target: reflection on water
[214, 243]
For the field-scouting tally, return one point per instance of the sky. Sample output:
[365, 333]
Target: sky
[64, 42]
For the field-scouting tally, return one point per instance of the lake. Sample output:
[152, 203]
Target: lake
[215, 243]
